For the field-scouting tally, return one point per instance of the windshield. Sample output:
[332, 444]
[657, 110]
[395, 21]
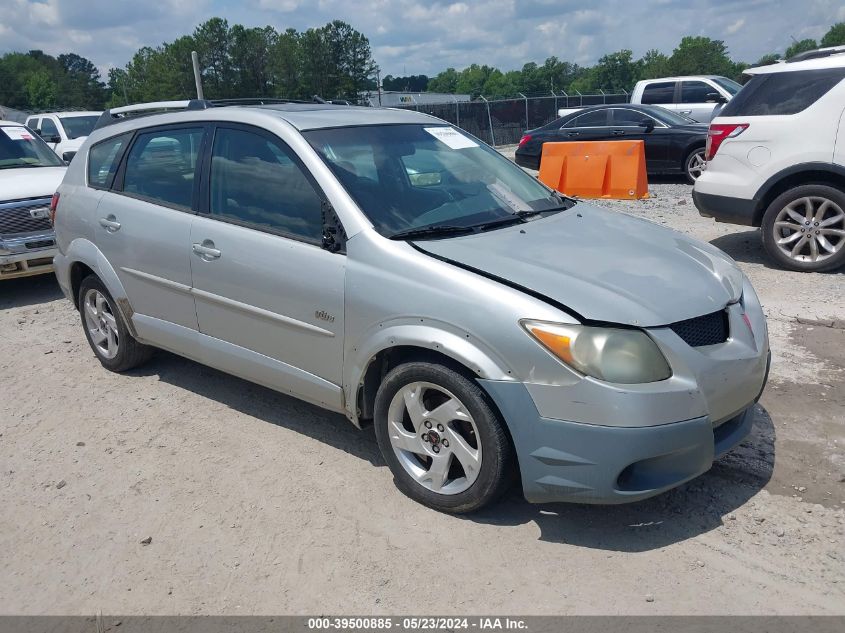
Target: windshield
[728, 84]
[670, 118]
[76, 126]
[404, 177]
[21, 148]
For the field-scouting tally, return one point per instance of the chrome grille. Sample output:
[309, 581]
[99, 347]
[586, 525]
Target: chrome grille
[710, 329]
[16, 217]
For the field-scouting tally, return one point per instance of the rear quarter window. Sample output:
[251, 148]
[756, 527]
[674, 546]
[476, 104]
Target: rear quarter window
[103, 159]
[660, 92]
[783, 93]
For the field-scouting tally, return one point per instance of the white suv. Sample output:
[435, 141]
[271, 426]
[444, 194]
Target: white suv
[695, 96]
[776, 159]
[64, 132]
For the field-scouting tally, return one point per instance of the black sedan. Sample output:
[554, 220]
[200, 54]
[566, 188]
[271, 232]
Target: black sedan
[673, 143]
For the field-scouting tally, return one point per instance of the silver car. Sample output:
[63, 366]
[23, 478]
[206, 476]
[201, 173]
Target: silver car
[385, 265]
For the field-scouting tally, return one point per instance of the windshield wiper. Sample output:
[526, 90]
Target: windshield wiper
[18, 166]
[431, 231]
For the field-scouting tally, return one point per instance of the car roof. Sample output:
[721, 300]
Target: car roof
[69, 113]
[681, 78]
[15, 123]
[835, 60]
[308, 116]
[300, 115]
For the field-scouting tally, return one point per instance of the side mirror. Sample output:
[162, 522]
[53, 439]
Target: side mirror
[648, 124]
[715, 97]
[55, 139]
[37, 131]
[68, 156]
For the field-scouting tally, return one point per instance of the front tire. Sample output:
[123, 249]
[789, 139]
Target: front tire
[106, 330]
[441, 438]
[804, 228]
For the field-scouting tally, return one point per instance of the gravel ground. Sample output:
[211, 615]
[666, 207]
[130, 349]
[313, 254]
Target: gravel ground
[177, 489]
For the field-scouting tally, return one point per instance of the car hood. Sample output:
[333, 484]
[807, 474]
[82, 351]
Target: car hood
[30, 182]
[603, 266]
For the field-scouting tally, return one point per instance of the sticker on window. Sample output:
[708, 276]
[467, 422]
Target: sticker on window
[17, 133]
[451, 137]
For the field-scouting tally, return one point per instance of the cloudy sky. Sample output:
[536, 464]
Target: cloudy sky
[425, 37]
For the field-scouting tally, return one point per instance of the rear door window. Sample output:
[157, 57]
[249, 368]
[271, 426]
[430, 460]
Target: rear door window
[103, 159]
[161, 166]
[696, 91]
[783, 93]
[596, 118]
[659, 92]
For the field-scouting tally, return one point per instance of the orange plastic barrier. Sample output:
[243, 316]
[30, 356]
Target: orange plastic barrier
[596, 169]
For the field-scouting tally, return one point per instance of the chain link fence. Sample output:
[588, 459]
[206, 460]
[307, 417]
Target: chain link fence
[502, 121]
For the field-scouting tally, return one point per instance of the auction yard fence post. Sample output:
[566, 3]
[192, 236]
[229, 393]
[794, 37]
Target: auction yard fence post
[490, 120]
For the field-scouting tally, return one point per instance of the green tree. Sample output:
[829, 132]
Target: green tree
[286, 65]
[213, 42]
[654, 65]
[41, 90]
[616, 72]
[835, 36]
[768, 59]
[444, 81]
[471, 80]
[801, 46]
[698, 55]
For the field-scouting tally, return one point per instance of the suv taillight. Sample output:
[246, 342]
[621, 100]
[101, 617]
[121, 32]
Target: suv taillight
[717, 133]
[525, 138]
[54, 205]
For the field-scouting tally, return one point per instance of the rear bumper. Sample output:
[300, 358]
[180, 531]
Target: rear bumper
[568, 461]
[527, 160]
[726, 208]
[27, 255]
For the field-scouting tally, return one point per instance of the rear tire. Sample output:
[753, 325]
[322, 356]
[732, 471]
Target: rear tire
[441, 438]
[694, 164]
[804, 228]
[106, 330]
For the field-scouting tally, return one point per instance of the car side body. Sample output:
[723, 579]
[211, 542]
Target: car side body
[330, 317]
[64, 132]
[668, 144]
[784, 130]
[695, 96]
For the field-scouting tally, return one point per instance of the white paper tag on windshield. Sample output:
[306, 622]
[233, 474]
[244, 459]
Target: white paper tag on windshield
[17, 133]
[451, 137]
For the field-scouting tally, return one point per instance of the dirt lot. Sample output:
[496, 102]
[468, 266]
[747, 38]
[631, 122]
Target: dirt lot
[257, 503]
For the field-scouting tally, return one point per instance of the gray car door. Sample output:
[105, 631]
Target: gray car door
[144, 226]
[263, 284]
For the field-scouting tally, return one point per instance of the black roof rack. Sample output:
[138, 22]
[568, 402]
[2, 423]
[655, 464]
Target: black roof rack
[816, 54]
[116, 115]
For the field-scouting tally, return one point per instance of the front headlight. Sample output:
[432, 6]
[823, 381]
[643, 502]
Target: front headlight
[623, 356]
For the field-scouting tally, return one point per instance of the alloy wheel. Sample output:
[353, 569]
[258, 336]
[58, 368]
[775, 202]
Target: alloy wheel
[810, 229]
[434, 438]
[696, 164]
[101, 323]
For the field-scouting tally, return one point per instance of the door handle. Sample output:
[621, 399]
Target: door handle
[206, 250]
[618, 132]
[573, 133]
[685, 111]
[110, 223]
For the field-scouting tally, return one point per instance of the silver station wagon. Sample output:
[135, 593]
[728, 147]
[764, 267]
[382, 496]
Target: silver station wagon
[383, 264]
